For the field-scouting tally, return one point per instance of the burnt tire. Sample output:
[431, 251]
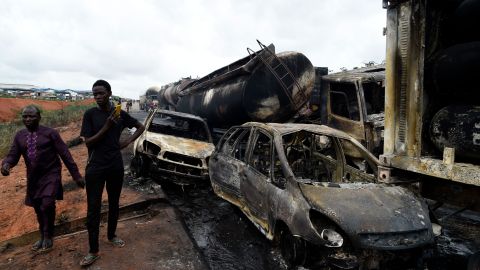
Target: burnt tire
[293, 248]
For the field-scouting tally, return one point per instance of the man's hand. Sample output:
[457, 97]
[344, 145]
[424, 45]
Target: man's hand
[5, 169]
[80, 182]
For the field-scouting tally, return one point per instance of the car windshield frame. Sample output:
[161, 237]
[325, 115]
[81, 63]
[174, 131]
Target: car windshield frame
[330, 160]
[179, 126]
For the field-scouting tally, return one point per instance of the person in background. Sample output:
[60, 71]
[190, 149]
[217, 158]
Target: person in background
[41, 148]
[101, 129]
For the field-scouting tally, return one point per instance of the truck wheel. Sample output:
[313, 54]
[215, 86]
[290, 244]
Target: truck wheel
[294, 248]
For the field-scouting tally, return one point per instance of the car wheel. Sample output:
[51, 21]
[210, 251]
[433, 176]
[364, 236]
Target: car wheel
[294, 248]
[474, 261]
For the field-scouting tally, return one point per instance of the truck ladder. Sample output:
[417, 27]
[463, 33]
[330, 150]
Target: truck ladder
[282, 73]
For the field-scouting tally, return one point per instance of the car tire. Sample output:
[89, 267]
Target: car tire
[293, 248]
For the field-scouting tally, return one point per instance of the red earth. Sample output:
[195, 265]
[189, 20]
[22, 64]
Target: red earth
[10, 107]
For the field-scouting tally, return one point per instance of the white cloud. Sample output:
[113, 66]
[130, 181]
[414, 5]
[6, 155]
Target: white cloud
[137, 44]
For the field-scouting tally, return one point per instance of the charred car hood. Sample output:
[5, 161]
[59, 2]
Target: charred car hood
[184, 146]
[367, 211]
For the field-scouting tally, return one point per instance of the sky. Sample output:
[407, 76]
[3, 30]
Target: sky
[69, 44]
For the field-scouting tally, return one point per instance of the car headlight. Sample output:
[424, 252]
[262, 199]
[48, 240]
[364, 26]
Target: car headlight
[326, 229]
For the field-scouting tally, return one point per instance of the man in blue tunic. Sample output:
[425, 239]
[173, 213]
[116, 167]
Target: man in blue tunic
[101, 129]
[41, 147]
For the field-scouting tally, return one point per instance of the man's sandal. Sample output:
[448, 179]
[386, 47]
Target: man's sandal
[37, 245]
[89, 259]
[47, 246]
[117, 242]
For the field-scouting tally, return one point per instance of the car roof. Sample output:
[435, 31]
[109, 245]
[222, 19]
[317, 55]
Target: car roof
[372, 74]
[180, 114]
[285, 128]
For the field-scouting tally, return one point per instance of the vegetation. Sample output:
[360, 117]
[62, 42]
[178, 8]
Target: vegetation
[55, 118]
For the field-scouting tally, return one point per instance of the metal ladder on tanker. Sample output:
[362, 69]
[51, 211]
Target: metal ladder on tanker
[282, 73]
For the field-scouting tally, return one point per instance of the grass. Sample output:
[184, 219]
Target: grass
[53, 119]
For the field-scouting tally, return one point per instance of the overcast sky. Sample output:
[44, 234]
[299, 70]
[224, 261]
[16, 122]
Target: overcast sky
[66, 44]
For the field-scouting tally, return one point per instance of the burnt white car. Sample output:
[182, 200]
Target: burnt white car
[175, 146]
[316, 191]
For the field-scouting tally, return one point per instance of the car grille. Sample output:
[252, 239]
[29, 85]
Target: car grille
[396, 240]
[183, 159]
[175, 168]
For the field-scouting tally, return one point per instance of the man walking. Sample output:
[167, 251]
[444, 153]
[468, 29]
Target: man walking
[101, 129]
[41, 147]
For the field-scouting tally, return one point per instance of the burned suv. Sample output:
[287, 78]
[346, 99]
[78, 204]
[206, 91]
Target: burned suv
[175, 146]
[315, 190]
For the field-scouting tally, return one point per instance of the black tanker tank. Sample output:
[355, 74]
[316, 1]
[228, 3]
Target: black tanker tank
[263, 87]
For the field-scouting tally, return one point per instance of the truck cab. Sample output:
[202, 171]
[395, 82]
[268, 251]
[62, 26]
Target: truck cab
[353, 101]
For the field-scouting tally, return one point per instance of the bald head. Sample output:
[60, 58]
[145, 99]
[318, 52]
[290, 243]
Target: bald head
[31, 117]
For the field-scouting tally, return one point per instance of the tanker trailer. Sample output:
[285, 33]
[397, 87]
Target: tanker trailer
[263, 86]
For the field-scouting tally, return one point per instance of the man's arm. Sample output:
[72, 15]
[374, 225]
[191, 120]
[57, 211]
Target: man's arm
[140, 129]
[87, 126]
[66, 156]
[90, 141]
[12, 158]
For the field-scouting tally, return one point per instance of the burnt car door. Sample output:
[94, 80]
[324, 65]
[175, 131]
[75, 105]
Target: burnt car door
[228, 162]
[256, 184]
[345, 110]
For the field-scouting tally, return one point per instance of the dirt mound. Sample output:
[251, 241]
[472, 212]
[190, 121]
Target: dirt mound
[10, 107]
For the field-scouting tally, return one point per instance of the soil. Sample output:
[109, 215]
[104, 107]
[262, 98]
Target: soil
[10, 107]
[154, 241]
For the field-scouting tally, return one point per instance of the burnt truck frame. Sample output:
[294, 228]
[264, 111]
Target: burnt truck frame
[432, 103]
[417, 38]
[352, 101]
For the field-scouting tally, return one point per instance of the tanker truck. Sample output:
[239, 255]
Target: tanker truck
[264, 86]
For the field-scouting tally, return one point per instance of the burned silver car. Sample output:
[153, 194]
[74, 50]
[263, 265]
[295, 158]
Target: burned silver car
[315, 191]
[175, 146]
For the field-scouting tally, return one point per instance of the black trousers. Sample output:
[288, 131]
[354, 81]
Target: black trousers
[45, 210]
[94, 186]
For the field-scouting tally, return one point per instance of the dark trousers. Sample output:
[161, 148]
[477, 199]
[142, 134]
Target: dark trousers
[94, 186]
[45, 210]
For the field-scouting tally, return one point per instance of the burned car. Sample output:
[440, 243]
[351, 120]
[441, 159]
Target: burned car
[175, 146]
[315, 191]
